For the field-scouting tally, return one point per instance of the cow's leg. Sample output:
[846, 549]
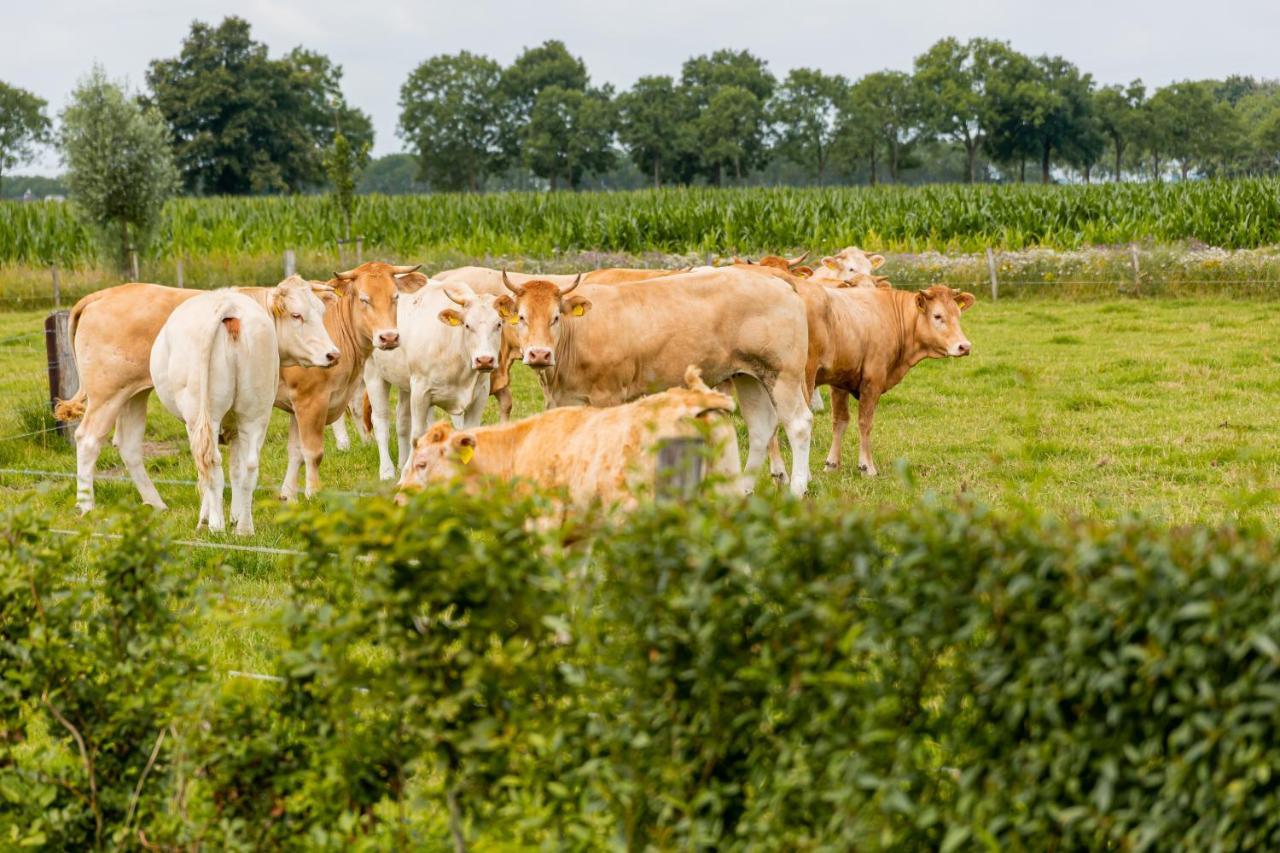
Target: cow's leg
[340, 437]
[473, 415]
[503, 396]
[311, 425]
[289, 488]
[404, 428]
[420, 408]
[380, 404]
[356, 409]
[791, 399]
[777, 465]
[94, 427]
[868, 396]
[839, 423]
[248, 447]
[816, 403]
[131, 427]
[217, 490]
[761, 418]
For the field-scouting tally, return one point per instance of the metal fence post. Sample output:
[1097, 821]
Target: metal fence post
[133, 263]
[64, 380]
[180, 284]
[995, 284]
[1137, 273]
[290, 263]
[57, 286]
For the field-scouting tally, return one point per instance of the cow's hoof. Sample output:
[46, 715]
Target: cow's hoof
[831, 466]
[869, 470]
[780, 478]
[84, 509]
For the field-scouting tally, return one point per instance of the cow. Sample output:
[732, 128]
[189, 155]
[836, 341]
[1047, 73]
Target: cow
[607, 344]
[847, 265]
[360, 319]
[593, 454]
[219, 355]
[111, 332]
[449, 347]
[877, 336]
[355, 411]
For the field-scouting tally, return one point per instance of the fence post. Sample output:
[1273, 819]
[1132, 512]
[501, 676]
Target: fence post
[57, 287]
[995, 284]
[679, 467]
[180, 284]
[133, 263]
[1137, 274]
[64, 380]
[359, 251]
[290, 263]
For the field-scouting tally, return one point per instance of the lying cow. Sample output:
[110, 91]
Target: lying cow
[449, 347]
[218, 356]
[878, 335]
[849, 265]
[607, 344]
[606, 455]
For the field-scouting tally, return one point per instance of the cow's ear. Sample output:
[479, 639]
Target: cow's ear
[877, 261]
[922, 301]
[831, 263]
[576, 306]
[450, 317]
[965, 300]
[506, 308]
[439, 431]
[464, 447]
[341, 286]
[410, 282]
[277, 302]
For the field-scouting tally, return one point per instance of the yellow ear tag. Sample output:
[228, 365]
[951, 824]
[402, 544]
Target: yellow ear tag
[515, 321]
[453, 321]
[578, 310]
[465, 452]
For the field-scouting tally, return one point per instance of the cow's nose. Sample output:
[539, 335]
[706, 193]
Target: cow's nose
[332, 356]
[484, 362]
[538, 357]
[388, 340]
[963, 348]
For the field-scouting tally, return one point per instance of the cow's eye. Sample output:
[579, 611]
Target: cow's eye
[937, 316]
[297, 316]
[521, 318]
[555, 319]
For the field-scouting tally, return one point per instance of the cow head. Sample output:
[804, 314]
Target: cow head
[938, 321]
[850, 262]
[538, 312]
[439, 454]
[298, 311]
[478, 321]
[375, 287]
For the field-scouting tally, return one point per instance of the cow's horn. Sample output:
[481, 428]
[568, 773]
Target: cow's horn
[796, 261]
[569, 289]
[452, 291]
[345, 276]
[405, 270]
[506, 282]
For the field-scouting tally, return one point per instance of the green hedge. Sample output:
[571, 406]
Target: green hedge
[760, 674]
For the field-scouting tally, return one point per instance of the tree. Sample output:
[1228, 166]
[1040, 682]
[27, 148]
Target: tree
[242, 122]
[392, 174]
[23, 126]
[951, 79]
[537, 68]
[450, 114]
[652, 119]
[343, 163]
[1119, 113]
[805, 112]
[570, 133]
[1039, 108]
[1190, 125]
[728, 131]
[119, 165]
[858, 134]
[889, 103]
[701, 79]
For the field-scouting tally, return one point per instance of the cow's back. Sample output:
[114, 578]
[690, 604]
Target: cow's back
[866, 333]
[115, 329]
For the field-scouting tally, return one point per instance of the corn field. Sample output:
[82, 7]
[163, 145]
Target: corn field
[1231, 214]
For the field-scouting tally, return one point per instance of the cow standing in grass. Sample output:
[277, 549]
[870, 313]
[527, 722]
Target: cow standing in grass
[216, 364]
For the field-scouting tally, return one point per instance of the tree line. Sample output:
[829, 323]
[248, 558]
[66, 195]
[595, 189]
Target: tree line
[239, 121]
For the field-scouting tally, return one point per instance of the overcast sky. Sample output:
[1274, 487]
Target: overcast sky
[48, 44]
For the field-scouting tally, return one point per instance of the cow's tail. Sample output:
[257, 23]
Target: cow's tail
[204, 445]
[73, 409]
[367, 412]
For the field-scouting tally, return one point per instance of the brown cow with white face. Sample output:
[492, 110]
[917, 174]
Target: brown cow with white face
[878, 334]
[360, 317]
[603, 345]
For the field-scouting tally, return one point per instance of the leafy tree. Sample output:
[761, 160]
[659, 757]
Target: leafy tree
[392, 174]
[1259, 111]
[652, 124]
[701, 79]
[805, 112]
[343, 163]
[858, 137]
[243, 122]
[570, 133]
[889, 102]
[1119, 113]
[537, 68]
[450, 114]
[728, 131]
[1190, 125]
[119, 165]
[1040, 108]
[951, 78]
[23, 126]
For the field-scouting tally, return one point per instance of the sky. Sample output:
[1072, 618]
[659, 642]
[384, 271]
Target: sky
[49, 44]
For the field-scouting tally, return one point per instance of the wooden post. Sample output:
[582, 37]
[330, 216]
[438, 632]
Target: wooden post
[359, 251]
[995, 284]
[64, 380]
[1137, 273]
[57, 287]
[680, 462]
[133, 264]
[290, 263]
[179, 271]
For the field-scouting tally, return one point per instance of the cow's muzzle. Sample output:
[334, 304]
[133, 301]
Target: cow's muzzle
[484, 363]
[538, 357]
[388, 340]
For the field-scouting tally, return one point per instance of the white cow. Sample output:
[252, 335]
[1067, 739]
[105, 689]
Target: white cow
[218, 355]
[449, 342]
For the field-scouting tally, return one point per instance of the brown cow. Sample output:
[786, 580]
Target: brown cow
[112, 331]
[878, 334]
[361, 317]
[606, 344]
[593, 454]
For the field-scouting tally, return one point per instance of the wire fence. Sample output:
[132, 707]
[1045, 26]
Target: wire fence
[163, 481]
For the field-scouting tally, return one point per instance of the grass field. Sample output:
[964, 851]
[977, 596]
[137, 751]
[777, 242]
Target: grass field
[1162, 407]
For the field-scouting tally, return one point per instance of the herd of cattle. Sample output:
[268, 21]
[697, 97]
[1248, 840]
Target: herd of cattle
[625, 358]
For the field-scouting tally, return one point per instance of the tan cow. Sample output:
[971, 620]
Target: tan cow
[112, 332]
[847, 265]
[605, 455]
[361, 317]
[878, 334]
[607, 344]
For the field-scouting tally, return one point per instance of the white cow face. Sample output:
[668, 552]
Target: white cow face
[300, 331]
[851, 262]
[478, 321]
